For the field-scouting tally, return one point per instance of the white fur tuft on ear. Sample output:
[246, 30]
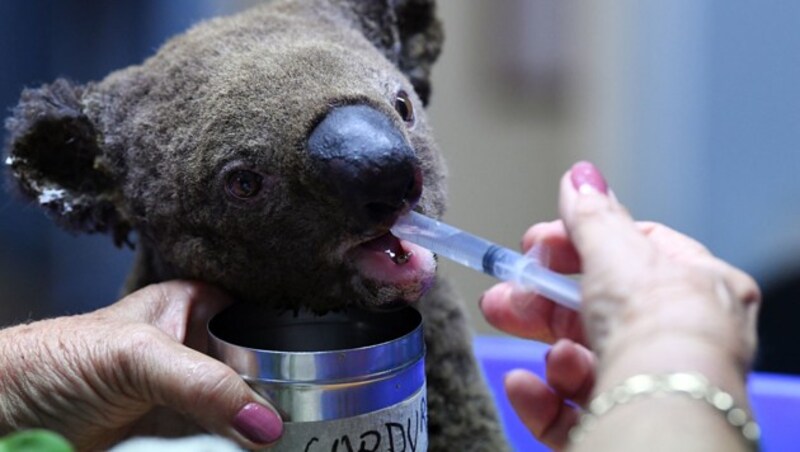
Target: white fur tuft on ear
[54, 156]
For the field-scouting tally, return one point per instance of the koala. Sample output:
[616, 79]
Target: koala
[269, 153]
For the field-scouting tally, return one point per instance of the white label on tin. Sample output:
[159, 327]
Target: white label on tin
[398, 428]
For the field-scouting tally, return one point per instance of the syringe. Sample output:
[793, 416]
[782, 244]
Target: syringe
[485, 256]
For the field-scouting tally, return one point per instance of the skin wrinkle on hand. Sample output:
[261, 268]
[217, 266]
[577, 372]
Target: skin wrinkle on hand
[13, 404]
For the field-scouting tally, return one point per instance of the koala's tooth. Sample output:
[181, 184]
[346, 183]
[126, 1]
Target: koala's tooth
[398, 258]
[404, 258]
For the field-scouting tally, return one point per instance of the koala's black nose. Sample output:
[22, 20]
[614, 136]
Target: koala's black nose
[365, 159]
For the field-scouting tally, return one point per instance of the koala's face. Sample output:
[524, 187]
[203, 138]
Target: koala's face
[287, 192]
[270, 155]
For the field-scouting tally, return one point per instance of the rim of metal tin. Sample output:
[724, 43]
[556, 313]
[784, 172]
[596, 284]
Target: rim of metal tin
[396, 343]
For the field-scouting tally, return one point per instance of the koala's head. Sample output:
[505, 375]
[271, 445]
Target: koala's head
[268, 153]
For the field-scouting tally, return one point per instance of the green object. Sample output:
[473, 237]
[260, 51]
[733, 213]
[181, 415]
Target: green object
[35, 441]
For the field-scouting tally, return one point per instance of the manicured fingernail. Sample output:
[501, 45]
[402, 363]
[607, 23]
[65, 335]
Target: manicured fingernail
[513, 372]
[258, 424]
[586, 177]
[588, 354]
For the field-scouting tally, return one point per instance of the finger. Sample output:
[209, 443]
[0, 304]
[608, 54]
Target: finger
[181, 309]
[598, 226]
[739, 296]
[553, 236]
[546, 415]
[571, 371]
[529, 315]
[564, 257]
[751, 331]
[672, 243]
[741, 285]
[166, 373]
[684, 249]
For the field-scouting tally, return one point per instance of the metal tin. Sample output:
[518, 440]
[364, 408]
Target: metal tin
[350, 380]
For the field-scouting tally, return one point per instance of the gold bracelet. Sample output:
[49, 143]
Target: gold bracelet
[690, 384]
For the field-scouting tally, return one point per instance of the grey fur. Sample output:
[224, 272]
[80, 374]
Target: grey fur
[148, 148]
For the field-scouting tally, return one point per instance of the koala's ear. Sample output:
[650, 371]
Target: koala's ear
[54, 153]
[407, 32]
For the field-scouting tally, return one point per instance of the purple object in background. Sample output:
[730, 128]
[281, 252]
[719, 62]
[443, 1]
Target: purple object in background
[775, 398]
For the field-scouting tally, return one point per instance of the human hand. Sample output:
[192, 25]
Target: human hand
[652, 300]
[136, 367]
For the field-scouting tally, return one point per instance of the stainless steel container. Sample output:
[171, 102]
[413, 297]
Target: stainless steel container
[346, 381]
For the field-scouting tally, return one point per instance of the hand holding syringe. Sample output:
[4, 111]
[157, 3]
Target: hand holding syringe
[487, 257]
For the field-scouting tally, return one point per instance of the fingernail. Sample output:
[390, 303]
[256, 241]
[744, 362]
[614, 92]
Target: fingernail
[258, 424]
[547, 354]
[586, 177]
[480, 301]
[513, 372]
[587, 353]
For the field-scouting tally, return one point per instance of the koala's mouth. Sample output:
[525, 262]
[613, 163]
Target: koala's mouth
[392, 247]
[401, 265]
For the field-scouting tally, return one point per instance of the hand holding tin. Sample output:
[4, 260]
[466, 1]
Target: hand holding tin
[134, 368]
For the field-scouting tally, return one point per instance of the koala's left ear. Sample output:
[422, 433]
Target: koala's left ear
[54, 153]
[407, 32]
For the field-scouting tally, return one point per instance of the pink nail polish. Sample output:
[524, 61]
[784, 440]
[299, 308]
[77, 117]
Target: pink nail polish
[258, 424]
[585, 174]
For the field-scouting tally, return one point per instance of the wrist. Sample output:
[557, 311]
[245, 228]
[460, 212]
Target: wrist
[674, 351]
[679, 398]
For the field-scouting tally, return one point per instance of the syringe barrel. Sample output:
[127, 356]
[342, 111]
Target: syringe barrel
[531, 275]
[485, 256]
[443, 239]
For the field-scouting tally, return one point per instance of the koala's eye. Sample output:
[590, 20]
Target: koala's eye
[243, 184]
[404, 107]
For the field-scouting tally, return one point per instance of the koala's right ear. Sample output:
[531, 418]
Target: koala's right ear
[54, 153]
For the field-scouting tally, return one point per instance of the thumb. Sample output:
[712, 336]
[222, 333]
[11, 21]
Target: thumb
[597, 224]
[210, 393]
[163, 359]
